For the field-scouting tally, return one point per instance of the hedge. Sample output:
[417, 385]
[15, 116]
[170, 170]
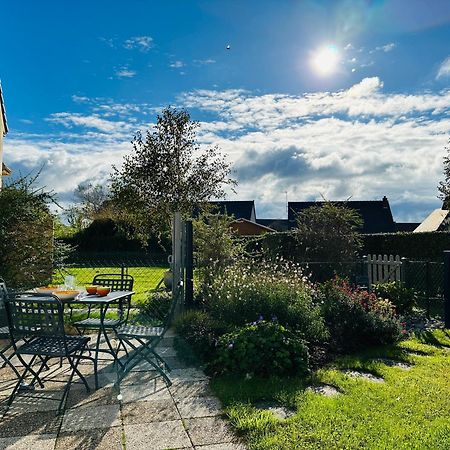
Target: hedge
[428, 246]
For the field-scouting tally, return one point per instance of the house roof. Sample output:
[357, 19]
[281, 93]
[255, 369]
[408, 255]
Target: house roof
[3, 111]
[5, 170]
[376, 214]
[434, 222]
[275, 224]
[406, 226]
[238, 209]
[250, 228]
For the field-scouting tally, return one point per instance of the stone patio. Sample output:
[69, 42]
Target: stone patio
[145, 414]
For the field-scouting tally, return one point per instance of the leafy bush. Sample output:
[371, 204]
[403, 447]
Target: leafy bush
[248, 289]
[200, 331]
[357, 318]
[261, 348]
[156, 306]
[398, 294]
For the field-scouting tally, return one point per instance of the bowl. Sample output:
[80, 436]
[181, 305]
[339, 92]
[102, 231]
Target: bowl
[103, 290]
[47, 289]
[66, 295]
[91, 289]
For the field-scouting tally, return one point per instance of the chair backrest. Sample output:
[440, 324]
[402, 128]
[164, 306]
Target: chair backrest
[34, 316]
[116, 281]
[3, 295]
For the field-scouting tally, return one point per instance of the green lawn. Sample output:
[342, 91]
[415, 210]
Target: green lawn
[145, 278]
[410, 410]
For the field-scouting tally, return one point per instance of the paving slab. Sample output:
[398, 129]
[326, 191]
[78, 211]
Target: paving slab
[157, 436]
[79, 398]
[326, 390]
[19, 423]
[32, 441]
[151, 411]
[190, 374]
[364, 376]
[227, 446]
[100, 439]
[153, 390]
[104, 416]
[209, 430]
[199, 407]
[184, 389]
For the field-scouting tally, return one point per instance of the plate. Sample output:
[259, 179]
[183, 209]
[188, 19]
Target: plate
[66, 295]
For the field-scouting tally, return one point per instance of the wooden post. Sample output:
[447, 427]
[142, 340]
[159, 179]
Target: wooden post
[447, 288]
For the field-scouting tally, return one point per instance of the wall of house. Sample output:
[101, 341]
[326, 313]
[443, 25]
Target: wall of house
[2, 130]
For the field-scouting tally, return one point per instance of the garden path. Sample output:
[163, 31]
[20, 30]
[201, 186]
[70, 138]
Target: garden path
[146, 415]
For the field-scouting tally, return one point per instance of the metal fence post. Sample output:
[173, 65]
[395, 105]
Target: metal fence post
[404, 271]
[189, 292]
[447, 288]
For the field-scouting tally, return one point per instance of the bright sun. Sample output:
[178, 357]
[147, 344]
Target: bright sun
[325, 60]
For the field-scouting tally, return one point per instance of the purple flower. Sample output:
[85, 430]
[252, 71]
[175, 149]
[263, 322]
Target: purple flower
[231, 345]
[260, 318]
[274, 318]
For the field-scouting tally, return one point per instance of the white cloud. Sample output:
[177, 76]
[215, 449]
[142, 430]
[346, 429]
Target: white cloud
[142, 43]
[360, 142]
[387, 48]
[204, 62]
[125, 72]
[444, 68]
[177, 64]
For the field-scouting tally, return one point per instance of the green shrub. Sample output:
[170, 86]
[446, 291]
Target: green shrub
[200, 331]
[357, 318]
[401, 297]
[156, 306]
[247, 290]
[261, 348]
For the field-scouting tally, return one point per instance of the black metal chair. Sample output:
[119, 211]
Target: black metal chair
[4, 330]
[41, 321]
[159, 318]
[117, 282]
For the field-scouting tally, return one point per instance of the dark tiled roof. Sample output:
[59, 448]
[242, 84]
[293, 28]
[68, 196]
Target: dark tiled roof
[275, 224]
[406, 226]
[3, 110]
[238, 209]
[376, 214]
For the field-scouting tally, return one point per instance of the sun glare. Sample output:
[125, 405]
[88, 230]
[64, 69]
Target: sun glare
[325, 60]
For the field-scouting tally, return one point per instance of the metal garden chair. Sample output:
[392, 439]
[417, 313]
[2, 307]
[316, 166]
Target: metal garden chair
[41, 320]
[117, 282]
[159, 317]
[4, 330]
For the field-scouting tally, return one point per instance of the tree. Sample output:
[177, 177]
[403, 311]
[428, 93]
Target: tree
[92, 202]
[216, 245]
[329, 232]
[26, 234]
[444, 186]
[167, 171]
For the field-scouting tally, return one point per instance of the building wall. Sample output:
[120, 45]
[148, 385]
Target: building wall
[2, 130]
[248, 229]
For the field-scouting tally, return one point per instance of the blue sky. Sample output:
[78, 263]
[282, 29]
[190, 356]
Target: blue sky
[79, 78]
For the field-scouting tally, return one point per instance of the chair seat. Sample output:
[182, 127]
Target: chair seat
[140, 331]
[96, 323]
[4, 332]
[53, 345]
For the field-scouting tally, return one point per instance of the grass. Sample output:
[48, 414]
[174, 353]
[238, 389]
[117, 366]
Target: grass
[145, 278]
[410, 410]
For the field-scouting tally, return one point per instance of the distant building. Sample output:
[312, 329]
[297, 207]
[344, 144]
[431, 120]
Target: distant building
[376, 214]
[237, 208]
[438, 220]
[3, 130]
[275, 224]
[245, 214]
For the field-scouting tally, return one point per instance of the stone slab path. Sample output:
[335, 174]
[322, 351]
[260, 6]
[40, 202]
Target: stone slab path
[146, 414]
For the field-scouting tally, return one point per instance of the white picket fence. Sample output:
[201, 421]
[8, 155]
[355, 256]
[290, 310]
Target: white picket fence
[382, 268]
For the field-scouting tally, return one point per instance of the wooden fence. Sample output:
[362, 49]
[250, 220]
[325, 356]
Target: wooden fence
[382, 268]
